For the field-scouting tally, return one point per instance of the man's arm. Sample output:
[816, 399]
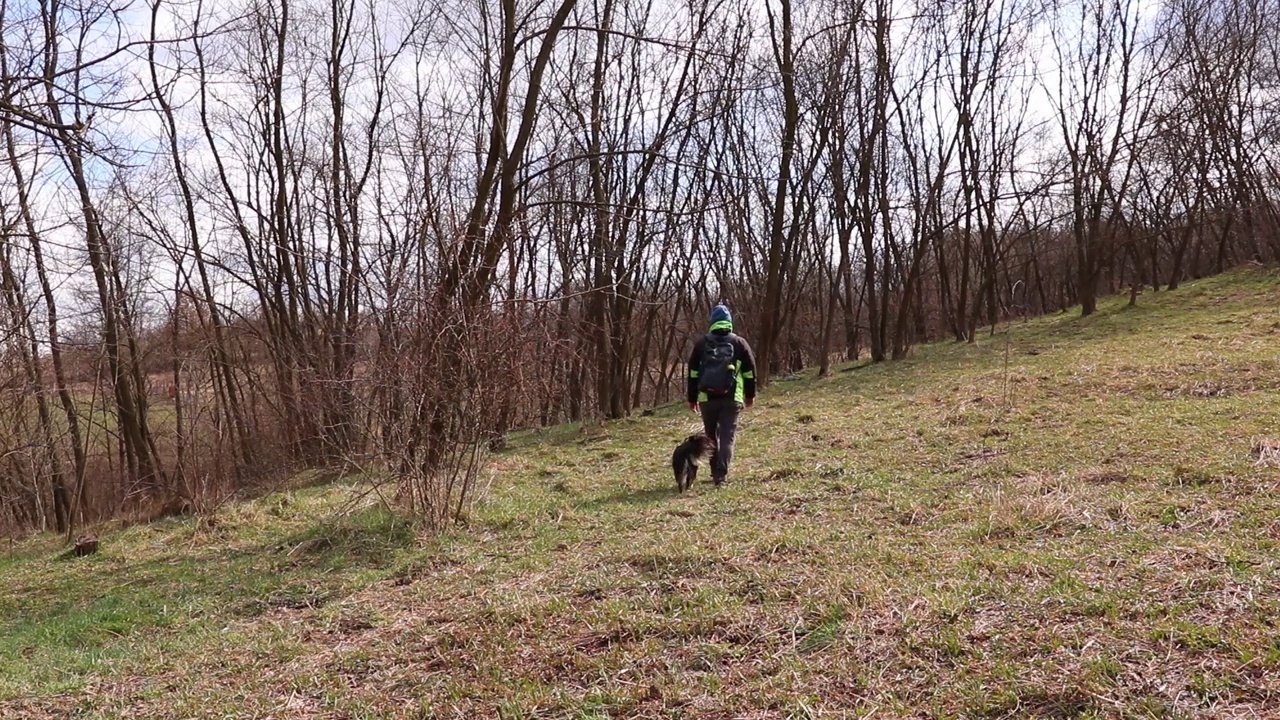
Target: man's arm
[695, 365]
[748, 367]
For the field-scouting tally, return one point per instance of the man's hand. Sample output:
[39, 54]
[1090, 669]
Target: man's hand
[693, 407]
[750, 401]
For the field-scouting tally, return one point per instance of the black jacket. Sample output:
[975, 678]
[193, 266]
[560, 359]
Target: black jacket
[742, 355]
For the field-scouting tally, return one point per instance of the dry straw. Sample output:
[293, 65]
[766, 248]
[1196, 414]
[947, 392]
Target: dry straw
[1266, 452]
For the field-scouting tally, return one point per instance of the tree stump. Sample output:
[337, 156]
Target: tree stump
[1134, 291]
[85, 545]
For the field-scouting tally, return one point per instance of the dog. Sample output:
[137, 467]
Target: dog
[685, 459]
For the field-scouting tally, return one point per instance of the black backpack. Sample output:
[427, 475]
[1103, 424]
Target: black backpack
[718, 376]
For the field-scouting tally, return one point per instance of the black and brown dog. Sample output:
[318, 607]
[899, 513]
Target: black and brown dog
[685, 459]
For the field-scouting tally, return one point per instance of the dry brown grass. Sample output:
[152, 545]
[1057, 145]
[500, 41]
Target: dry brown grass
[916, 548]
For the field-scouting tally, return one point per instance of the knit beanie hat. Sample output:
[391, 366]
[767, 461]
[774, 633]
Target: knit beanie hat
[720, 313]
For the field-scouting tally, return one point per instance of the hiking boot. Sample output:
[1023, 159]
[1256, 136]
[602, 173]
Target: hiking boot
[719, 482]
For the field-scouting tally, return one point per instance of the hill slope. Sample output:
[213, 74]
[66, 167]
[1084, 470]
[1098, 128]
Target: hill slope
[1060, 521]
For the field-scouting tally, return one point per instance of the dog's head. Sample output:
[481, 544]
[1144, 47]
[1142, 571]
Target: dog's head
[703, 442]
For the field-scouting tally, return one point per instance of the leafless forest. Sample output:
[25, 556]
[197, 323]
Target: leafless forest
[246, 238]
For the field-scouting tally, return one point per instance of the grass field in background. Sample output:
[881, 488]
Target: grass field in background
[1060, 520]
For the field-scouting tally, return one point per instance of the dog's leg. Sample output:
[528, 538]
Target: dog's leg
[691, 476]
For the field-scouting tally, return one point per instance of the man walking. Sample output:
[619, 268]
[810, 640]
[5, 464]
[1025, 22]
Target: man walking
[722, 379]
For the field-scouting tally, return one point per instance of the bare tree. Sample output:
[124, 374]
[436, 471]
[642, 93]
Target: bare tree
[1104, 95]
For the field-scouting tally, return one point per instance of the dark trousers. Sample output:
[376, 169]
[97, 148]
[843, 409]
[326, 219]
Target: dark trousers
[720, 420]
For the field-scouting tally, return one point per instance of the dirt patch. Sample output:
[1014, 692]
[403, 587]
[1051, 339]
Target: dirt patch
[982, 455]
[1103, 477]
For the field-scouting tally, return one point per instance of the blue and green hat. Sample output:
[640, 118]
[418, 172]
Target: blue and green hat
[721, 318]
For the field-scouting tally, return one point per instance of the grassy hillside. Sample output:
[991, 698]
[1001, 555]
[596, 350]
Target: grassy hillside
[1061, 521]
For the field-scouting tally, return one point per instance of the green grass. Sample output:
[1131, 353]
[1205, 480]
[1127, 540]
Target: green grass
[1082, 534]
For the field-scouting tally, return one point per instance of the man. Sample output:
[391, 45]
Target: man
[722, 379]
